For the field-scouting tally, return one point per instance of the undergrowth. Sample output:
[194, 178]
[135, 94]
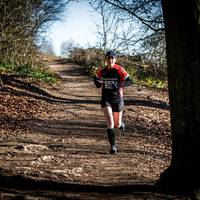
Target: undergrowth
[143, 74]
[37, 73]
[139, 76]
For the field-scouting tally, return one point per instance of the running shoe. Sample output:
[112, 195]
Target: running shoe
[113, 149]
[122, 127]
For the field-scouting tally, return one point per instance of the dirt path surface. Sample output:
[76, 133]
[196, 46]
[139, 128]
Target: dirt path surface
[63, 154]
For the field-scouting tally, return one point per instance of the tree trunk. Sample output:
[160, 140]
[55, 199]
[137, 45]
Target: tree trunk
[182, 26]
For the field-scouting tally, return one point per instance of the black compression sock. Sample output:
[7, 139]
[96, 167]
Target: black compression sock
[111, 136]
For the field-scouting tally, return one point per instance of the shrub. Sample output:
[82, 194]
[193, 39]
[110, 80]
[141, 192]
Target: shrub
[143, 73]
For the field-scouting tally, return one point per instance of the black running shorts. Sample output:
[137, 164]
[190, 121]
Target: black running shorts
[117, 106]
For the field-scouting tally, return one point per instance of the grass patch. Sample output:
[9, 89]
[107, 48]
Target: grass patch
[40, 73]
[152, 83]
[147, 79]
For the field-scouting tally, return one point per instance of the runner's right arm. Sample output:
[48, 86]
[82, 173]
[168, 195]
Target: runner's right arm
[97, 81]
[98, 78]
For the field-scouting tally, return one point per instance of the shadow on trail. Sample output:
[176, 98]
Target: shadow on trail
[33, 91]
[21, 186]
[18, 182]
[59, 61]
[47, 97]
[80, 71]
[147, 103]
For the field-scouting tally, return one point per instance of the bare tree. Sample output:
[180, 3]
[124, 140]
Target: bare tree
[67, 47]
[141, 28]
[22, 22]
[148, 12]
[108, 29]
[47, 46]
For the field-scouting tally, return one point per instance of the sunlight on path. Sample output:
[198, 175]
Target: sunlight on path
[71, 145]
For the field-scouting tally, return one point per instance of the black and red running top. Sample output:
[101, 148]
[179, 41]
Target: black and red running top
[111, 79]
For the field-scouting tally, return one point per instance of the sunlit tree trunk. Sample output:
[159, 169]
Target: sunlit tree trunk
[182, 26]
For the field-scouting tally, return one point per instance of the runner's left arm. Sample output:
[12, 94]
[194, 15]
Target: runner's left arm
[125, 79]
[126, 82]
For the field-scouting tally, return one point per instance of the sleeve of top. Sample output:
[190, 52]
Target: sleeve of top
[127, 82]
[122, 73]
[99, 73]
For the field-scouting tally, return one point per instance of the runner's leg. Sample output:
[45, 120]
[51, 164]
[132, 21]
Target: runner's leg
[109, 117]
[117, 119]
[110, 128]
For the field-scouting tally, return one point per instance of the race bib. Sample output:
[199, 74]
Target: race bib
[109, 85]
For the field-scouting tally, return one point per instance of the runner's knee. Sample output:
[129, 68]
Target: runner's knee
[117, 125]
[110, 124]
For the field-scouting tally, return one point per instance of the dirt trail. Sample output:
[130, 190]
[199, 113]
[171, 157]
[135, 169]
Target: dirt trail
[70, 146]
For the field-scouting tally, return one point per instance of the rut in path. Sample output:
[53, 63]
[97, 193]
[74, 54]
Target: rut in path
[71, 146]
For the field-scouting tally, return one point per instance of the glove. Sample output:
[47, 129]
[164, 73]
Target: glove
[97, 82]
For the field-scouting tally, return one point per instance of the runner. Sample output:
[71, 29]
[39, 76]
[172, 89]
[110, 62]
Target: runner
[112, 79]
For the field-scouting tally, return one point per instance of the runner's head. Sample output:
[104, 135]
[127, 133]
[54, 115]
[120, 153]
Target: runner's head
[110, 58]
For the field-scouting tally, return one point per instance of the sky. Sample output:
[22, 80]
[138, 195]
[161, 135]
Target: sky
[77, 25]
